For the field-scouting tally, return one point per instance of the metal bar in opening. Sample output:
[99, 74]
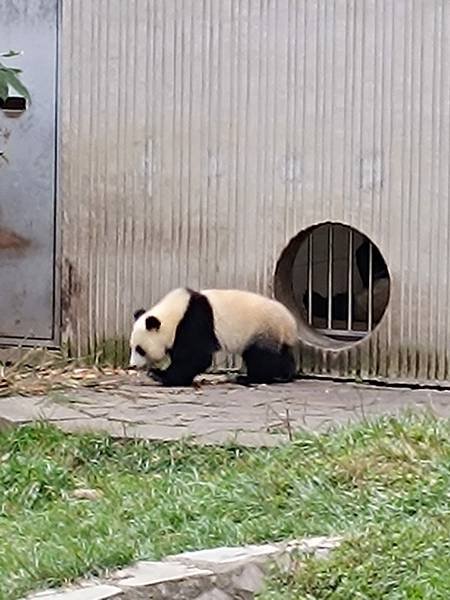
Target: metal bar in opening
[330, 277]
[370, 290]
[350, 280]
[310, 278]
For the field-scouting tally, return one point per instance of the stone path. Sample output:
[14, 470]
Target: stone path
[216, 574]
[218, 411]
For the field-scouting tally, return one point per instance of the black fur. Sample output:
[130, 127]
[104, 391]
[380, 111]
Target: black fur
[268, 364]
[194, 345]
[152, 323]
[138, 313]
[379, 269]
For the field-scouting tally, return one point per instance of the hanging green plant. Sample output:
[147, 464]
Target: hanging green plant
[10, 77]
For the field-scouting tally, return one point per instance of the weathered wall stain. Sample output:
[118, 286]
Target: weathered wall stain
[5, 134]
[10, 240]
[71, 296]
[70, 286]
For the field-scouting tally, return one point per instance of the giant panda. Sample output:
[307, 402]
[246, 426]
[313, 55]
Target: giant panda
[177, 338]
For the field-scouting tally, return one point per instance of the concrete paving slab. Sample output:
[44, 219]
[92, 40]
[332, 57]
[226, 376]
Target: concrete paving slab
[218, 414]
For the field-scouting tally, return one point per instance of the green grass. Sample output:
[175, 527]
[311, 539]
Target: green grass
[395, 559]
[385, 485]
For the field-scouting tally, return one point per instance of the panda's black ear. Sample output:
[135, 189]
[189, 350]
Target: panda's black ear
[138, 313]
[152, 323]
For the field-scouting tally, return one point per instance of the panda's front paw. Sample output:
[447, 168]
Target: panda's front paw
[244, 380]
[155, 374]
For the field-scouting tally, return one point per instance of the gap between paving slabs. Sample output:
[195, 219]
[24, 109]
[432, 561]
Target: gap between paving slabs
[228, 573]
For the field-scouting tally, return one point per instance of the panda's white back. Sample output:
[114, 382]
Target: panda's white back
[241, 316]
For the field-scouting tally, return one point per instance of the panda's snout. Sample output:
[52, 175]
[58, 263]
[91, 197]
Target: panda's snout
[136, 361]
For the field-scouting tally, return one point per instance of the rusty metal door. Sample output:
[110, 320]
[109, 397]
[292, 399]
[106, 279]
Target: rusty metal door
[27, 175]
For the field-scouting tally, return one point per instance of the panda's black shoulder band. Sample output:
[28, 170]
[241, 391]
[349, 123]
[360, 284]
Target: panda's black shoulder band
[138, 313]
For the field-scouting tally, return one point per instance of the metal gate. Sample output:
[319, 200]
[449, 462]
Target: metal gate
[27, 175]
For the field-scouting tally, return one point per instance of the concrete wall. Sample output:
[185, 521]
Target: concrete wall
[199, 137]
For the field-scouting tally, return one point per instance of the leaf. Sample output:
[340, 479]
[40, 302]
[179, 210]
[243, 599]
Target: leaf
[5, 68]
[10, 54]
[12, 79]
[3, 88]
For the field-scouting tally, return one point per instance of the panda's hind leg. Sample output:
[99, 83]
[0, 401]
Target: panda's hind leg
[268, 364]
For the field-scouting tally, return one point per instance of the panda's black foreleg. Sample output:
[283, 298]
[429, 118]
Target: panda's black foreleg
[245, 381]
[174, 376]
[183, 370]
[171, 379]
[156, 374]
[194, 344]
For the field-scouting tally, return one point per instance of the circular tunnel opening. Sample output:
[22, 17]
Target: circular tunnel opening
[336, 281]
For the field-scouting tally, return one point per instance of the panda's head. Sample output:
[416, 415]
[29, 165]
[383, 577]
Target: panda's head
[154, 331]
[147, 341]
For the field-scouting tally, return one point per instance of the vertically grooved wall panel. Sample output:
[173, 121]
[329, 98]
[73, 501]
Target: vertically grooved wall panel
[200, 136]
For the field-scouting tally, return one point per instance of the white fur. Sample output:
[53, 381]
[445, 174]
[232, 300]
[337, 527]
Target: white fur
[136, 360]
[239, 318]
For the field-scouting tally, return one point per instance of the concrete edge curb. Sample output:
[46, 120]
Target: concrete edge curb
[216, 574]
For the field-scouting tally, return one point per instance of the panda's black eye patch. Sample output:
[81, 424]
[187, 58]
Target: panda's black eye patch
[140, 351]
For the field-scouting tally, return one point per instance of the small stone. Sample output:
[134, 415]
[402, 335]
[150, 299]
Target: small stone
[85, 494]
[250, 579]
